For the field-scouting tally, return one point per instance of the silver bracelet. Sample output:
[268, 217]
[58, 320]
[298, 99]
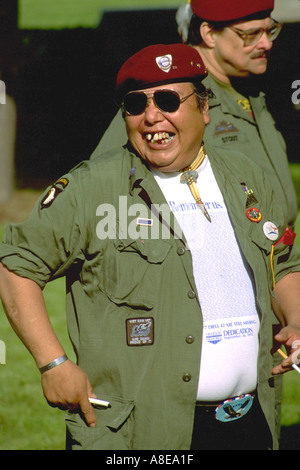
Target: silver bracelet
[54, 363]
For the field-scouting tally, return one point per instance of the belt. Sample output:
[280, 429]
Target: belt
[230, 409]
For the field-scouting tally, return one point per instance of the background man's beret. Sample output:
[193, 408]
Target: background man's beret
[229, 10]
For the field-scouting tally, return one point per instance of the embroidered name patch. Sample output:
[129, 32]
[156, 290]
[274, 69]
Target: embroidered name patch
[140, 331]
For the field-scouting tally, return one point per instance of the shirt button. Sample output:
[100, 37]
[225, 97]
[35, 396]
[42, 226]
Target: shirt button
[181, 251]
[186, 377]
[190, 339]
[191, 294]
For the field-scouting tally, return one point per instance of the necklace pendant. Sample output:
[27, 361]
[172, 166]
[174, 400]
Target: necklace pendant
[188, 177]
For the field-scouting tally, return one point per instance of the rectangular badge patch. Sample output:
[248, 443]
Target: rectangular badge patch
[140, 331]
[144, 222]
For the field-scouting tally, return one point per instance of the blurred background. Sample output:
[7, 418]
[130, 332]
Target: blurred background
[58, 61]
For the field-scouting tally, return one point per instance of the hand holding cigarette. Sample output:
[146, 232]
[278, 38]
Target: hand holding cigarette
[285, 357]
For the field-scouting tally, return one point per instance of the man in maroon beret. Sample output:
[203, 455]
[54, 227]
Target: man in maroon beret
[170, 251]
[234, 38]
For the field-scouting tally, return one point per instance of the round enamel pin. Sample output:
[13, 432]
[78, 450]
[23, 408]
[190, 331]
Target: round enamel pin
[233, 409]
[271, 231]
[254, 214]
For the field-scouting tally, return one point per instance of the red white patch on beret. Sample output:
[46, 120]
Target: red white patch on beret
[164, 62]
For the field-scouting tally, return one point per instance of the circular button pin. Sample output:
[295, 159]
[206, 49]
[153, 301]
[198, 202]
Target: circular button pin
[254, 214]
[271, 231]
[181, 251]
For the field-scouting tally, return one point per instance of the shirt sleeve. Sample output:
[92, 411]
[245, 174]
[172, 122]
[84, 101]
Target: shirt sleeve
[44, 247]
[286, 260]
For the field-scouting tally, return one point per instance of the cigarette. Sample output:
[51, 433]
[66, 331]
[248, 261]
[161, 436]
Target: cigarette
[285, 356]
[97, 402]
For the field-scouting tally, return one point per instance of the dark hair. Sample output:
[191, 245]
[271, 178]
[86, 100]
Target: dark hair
[202, 94]
[194, 36]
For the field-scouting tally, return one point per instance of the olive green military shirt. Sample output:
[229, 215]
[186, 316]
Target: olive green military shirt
[239, 124]
[132, 304]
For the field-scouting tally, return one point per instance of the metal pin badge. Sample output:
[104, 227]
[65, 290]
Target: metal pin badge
[254, 214]
[271, 231]
[144, 222]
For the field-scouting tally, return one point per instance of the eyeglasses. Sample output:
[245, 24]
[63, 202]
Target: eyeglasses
[252, 36]
[167, 101]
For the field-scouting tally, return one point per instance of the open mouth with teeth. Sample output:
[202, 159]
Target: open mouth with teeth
[159, 137]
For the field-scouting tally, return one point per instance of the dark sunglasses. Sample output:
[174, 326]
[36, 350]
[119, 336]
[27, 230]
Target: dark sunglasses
[167, 101]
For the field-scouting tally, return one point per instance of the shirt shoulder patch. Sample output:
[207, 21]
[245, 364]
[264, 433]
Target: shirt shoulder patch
[53, 192]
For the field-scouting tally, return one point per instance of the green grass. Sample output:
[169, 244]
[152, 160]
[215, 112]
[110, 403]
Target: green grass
[26, 420]
[78, 13]
[291, 389]
[295, 172]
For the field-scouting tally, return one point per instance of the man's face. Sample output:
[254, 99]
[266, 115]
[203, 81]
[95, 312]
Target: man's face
[237, 60]
[168, 141]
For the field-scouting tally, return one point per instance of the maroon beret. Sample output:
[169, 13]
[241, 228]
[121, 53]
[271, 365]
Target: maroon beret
[229, 10]
[160, 64]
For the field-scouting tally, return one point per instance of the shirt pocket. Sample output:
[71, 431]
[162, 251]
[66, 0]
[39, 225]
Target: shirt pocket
[114, 428]
[131, 271]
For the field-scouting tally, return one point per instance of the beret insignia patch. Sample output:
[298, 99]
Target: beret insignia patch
[165, 62]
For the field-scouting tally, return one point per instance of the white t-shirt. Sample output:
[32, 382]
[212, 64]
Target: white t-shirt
[224, 286]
